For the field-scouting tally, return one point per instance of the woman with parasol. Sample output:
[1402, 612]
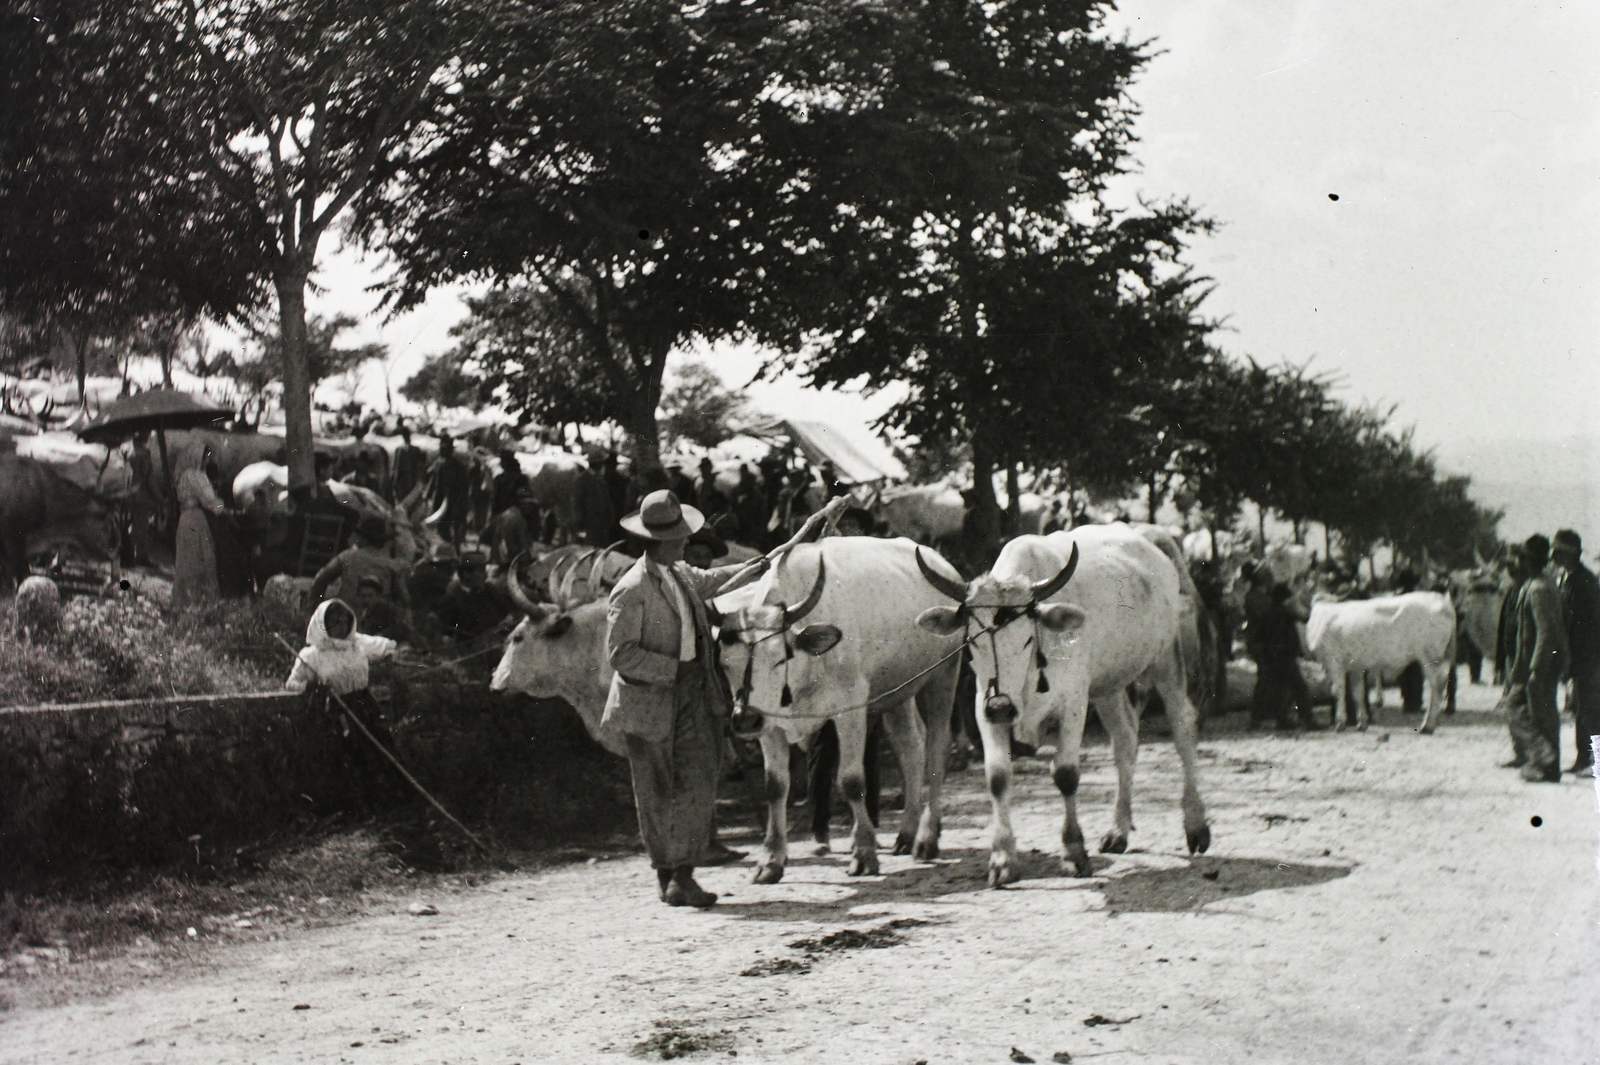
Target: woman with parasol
[195, 571]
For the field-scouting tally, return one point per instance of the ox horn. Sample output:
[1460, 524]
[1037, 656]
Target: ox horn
[515, 590]
[570, 580]
[1043, 590]
[944, 585]
[811, 601]
[556, 575]
[597, 572]
[438, 515]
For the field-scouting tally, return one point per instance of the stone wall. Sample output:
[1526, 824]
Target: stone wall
[132, 783]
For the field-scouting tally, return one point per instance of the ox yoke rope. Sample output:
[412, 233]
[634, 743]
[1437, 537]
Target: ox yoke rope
[987, 630]
[348, 713]
[495, 647]
[875, 700]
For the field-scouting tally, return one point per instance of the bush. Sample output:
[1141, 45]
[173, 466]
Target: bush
[126, 648]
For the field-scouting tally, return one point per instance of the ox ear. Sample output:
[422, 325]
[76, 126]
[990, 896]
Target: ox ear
[558, 627]
[1061, 617]
[818, 640]
[942, 620]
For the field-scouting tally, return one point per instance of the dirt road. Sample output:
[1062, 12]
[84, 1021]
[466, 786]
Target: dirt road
[1368, 898]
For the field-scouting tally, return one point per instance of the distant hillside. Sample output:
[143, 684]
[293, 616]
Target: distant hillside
[1544, 485]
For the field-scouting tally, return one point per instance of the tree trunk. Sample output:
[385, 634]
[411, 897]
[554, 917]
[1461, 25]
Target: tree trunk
[83, 366]
[1152, 500]
[1013, 501]
[291, 285]
[1261, 527]
[644, 439]
[986, 510]
[1299, 532]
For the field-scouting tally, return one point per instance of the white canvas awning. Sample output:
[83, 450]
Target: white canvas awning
[857, 458]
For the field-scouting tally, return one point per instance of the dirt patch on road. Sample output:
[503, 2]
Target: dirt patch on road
[675, 1041]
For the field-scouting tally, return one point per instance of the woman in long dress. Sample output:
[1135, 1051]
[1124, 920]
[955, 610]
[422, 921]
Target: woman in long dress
[195, 581]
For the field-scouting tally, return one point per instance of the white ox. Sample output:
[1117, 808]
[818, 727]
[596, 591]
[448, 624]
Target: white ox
[559, 653]
[849, 648]
[1382, 636]
[933, 513]
[1062, 620]
[1478, 596]
[409, 536]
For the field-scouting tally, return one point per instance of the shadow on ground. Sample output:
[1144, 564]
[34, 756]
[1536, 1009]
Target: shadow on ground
[1173, 890]
[1205, 880]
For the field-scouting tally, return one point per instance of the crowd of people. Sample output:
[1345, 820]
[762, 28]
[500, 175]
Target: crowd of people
[1548, 634]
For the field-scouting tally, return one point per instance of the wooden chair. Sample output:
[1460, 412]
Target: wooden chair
[324, 533]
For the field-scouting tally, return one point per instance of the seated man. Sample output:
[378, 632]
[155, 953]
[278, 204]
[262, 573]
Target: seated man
[378, 614]
[472, 606]
[510, 532]
[367, 558]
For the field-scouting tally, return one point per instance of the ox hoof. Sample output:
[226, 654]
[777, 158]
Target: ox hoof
[863, 865]
[1199, 839]
[1075, 862]
[1340, 727]
[1114, 843]
[769, 874]
[1362, 727]
[1426, 730]
[821, 850]
[904, 842]
[926, 850]
[1002, 871]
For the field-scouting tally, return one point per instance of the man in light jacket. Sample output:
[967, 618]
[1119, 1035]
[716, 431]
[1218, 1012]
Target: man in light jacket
[1536, 660]
[668, 693]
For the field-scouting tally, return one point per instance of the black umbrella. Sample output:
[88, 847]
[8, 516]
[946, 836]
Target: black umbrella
[157, 410]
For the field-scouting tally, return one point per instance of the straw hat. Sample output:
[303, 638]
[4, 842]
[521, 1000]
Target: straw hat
[661, 517]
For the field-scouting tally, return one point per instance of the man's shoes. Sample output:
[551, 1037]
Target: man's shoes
[1534, 775]
[717, 854]
[1582, 769]
[1515, 763]
[683, 891]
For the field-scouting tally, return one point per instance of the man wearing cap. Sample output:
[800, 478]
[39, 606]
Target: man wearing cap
[1536, 658]
[1580, 612]
[366, 557]
[668, 691]
[472, 606]
[428, 583]
[510, 532]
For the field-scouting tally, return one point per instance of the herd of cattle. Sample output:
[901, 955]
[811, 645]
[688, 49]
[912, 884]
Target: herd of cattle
[1102, 615]
[1107, 616]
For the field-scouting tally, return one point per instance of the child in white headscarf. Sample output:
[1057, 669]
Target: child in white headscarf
[336, 655]
[334, 663]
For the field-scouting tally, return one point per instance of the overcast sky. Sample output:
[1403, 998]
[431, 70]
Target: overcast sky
[1455, 275]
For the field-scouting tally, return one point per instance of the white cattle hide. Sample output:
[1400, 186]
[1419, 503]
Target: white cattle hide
[1384, 635]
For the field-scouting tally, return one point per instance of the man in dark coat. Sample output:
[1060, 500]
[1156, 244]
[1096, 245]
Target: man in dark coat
[1288, 697]
[472, 606]
[507, 483]
[1257, 604]
[410, 465]
[451, 480]
[1580, 613]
